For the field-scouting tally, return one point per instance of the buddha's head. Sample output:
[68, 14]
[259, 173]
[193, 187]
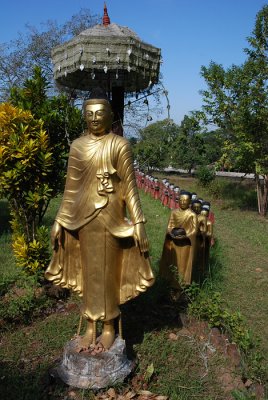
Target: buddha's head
[98, 115]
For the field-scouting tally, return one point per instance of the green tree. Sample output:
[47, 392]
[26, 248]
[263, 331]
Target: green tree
[188, 148]
[152, 151]
[213, 144]
[34, 48]
[236, 100]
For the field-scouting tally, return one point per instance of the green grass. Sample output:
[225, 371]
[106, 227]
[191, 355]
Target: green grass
[239, 272]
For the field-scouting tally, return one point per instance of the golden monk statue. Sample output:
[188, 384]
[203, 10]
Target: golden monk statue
[180, 243]
[207, 226]
[98, 252]
[199, 264]
[196, 206]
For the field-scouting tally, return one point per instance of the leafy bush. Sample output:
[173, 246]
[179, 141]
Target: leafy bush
[210, 308]
[216, 188]
[32, 256]
[35, 133]
[205, 175]
[5, 283]
[23, 301]
[208, 305]
[25, 161]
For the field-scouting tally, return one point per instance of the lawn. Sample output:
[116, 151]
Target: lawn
[171, 361]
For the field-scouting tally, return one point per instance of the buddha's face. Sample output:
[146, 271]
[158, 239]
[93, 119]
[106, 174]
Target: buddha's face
[184, 201]
[98, 118]
[196, 207]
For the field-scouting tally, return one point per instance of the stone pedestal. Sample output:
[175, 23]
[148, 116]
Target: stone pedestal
[83, 370]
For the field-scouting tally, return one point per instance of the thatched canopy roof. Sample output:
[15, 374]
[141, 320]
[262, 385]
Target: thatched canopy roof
[109, 56]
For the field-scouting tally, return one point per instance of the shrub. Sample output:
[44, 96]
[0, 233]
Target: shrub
[24, 300]
[32, 256]
[25, 162]
[205, 175]
[35, 132]
[209, 307]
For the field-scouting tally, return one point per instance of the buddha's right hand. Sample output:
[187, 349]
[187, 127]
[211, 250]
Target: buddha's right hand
[56, 235]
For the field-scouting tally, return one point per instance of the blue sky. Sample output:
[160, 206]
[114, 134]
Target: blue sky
[190, 33]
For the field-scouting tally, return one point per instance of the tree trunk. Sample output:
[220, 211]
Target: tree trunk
[262, 193]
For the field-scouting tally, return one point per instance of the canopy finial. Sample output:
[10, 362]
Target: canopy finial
[105, 18]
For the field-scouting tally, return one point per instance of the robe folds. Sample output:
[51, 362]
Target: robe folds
[179, 253]
[98, 258]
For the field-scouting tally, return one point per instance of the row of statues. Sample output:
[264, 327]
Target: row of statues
[99, 252]
[189, 234]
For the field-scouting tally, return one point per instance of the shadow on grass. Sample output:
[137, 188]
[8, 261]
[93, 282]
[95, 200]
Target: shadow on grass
[20, 384]
[4, 217]
[149, 312]
[215, 267]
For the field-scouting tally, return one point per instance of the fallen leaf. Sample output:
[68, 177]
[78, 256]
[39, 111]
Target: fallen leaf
[111, 392]
[130, 395]
[248, 383]
[173, 336]
[149, 372]
[145, 393]
[72, 394]
[258, 269]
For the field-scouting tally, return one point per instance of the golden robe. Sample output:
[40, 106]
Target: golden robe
[98, 257]
[200, 250]
[179, 252]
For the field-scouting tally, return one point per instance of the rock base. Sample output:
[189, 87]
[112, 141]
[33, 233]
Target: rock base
[85, 371]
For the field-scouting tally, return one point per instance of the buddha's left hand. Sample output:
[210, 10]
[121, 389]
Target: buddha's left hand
[140, 237]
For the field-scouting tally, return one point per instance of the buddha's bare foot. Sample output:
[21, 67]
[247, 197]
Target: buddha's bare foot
[97, 349]
[84, 342]
[107, 336]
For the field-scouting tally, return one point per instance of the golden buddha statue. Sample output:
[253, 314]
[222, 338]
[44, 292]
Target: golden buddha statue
[180, 243]
[98, 252]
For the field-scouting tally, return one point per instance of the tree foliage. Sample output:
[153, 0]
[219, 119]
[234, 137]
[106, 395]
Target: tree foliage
[152, 151]
[34, 48]
[188, 148]
[188, 145]
[236, 100]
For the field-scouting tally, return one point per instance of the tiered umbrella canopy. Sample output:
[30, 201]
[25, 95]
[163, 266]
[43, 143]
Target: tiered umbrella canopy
[109, 56]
